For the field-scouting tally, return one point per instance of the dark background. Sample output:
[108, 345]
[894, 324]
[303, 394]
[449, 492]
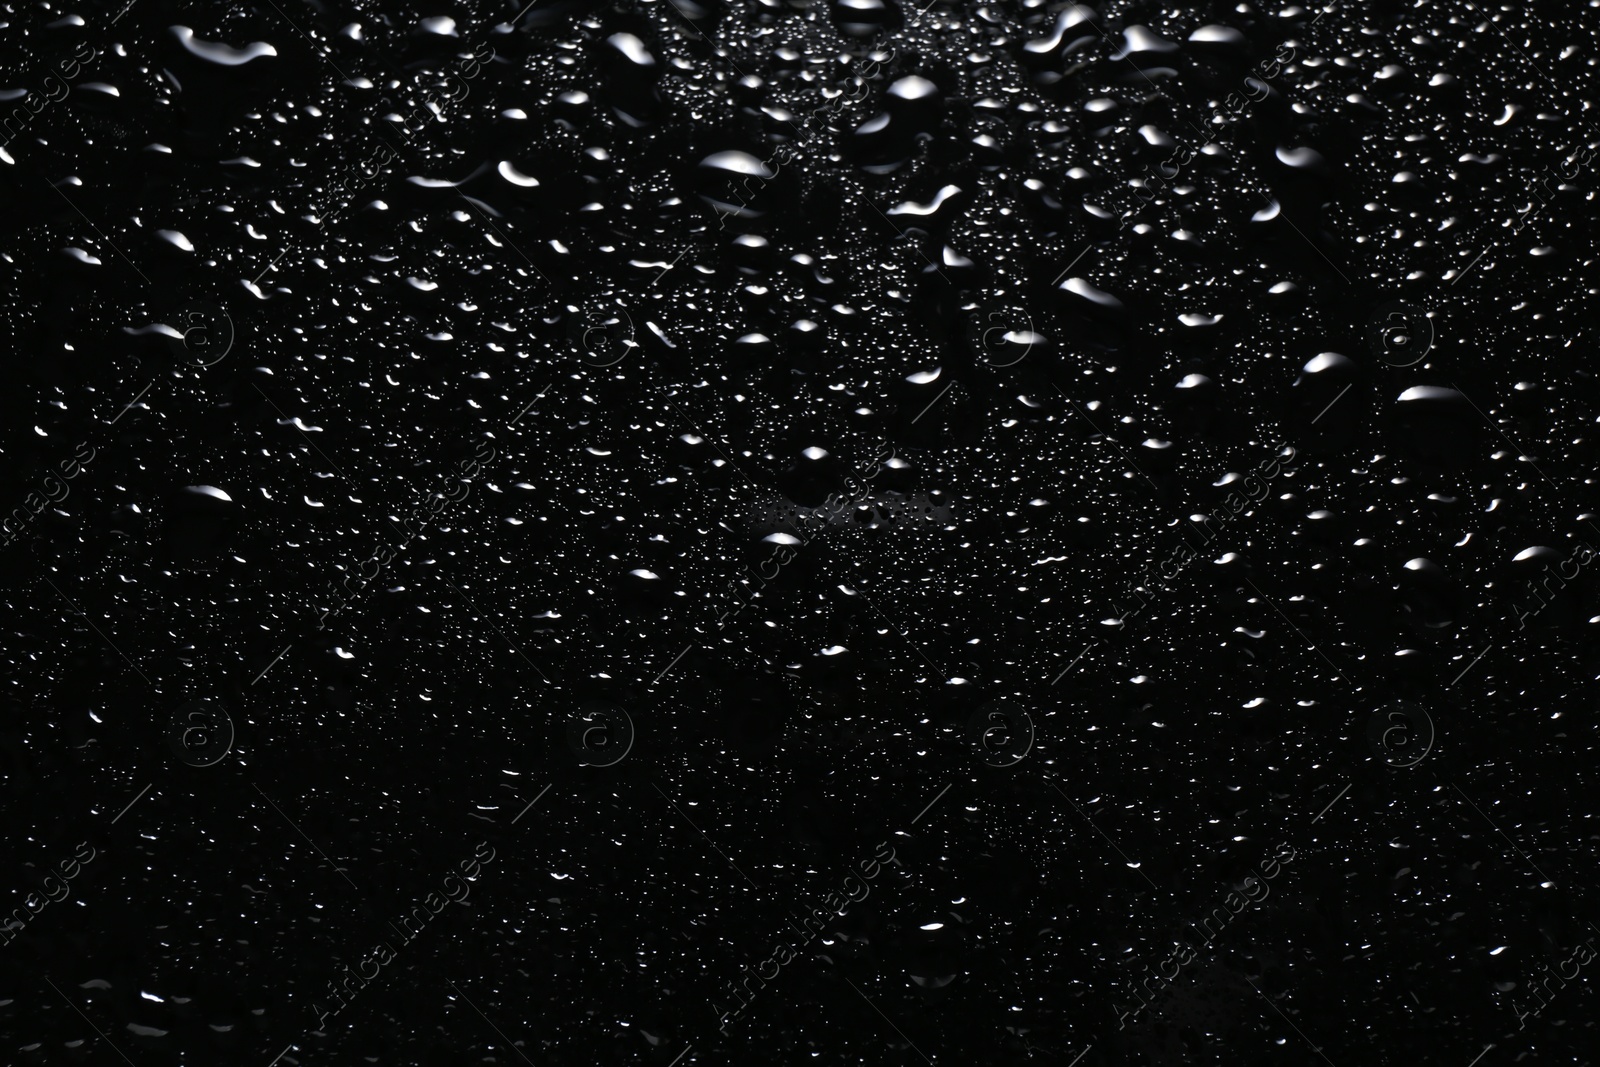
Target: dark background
[375, 348]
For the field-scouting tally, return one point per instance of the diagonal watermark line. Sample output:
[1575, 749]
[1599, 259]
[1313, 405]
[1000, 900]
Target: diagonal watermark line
[282, 1054]
[324, 51]
[509, 243]
[932, 802]
[935, 400]
[1475, 259]
[103, 237]
[1102, 833]
[1074, 663]
[674, 662]
[131, 803]
[492, 1026]
[1127, 57]
[327, 55]
[702, 833]
[1074, 263]
[1332, 402]
[1480, 1056]
[901, 233]
[532, 402]
[900, 630]
[799, 130]
[295, 424]
[1521, 53]
[903, 632]
[521, 13]
[712, 441]
[1502, 833]
[269, 666]
[669, 266]
[1337, 672]
[1292, 1026]
[1131, 462]
[1334, 801]
[87, 1019]
[1522, 452]
[269, 266]
[338, 869]
[84, 615]
[132, 402]
[1471, 665]
[896, 627]
[680, 1056]
[1081, 1055]
[531, 803]
[886, 1019]
[495, 628]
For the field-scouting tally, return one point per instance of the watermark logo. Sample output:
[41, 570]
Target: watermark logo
[1401, 734]
[834, 904]
[1250, 892]
[200, 734]
[205, 334]
[353, 980]
[600, 735]
[46, 894]
[1002, 735]
[1001, 336]
[1399, 334]
[603, 336]
[1539, 987]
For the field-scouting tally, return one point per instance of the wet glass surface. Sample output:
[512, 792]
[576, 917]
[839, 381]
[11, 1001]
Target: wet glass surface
[684, 532]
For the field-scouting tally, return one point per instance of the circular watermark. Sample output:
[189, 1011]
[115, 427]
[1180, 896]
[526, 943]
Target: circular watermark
[205, 333]
[1000, 336]
[603, 336]
[1401, 734]
[599, 734]
[1399, 334]
[1002, 735]
[201, 733]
